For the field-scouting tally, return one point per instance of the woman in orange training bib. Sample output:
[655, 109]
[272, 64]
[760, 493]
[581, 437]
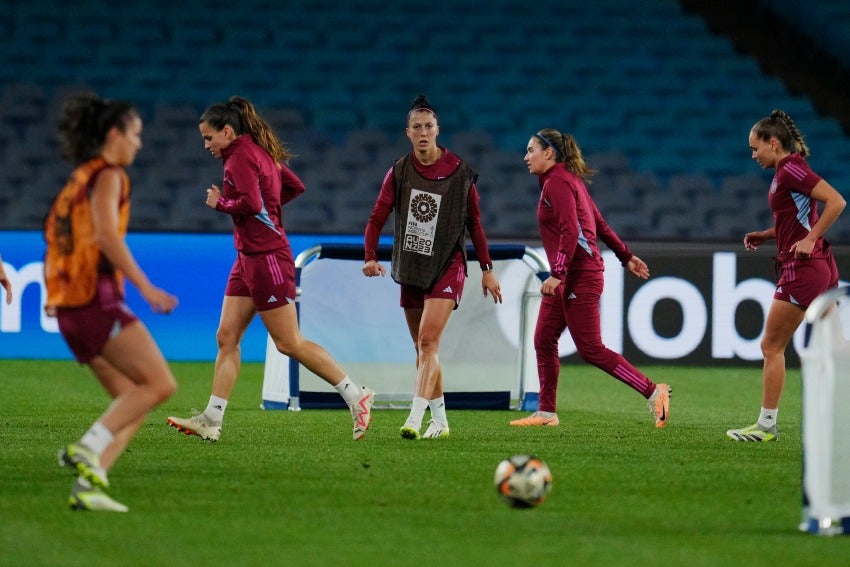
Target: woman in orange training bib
[85, 264]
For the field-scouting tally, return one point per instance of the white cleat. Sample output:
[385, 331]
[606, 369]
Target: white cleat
[436, 430]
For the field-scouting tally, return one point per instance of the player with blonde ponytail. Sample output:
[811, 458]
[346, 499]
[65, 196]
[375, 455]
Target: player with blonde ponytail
[804, 263]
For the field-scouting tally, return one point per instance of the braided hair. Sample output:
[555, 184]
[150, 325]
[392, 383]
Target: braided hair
[780, 126]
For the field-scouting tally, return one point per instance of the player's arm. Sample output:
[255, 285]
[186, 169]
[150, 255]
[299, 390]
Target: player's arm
[291, 185]
[242, 186]
[752, 240]
[105, 201]
[380, 213]
[833, 205]
[5, 283]
[489, 282]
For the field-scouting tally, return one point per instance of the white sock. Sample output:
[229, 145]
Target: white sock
[767, 417]
[349, 391]
[417, 412]
[215, 409]
[438, 409]
[546, 414]
[97, 438]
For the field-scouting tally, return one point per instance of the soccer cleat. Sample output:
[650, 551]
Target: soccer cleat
[85, 463]
[660, 406]
[436, 429]
[756, 433]
[84, 496]
[198, 425]
[361, 412]
[409, 430]
[536, 420]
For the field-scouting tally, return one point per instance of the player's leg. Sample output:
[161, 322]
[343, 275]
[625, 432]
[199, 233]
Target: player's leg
[429, 373]
[413, 302]
[282, 325]
[783, 319]
[547, 333]
[83, 495]
[581, 311]
[237, 311]
[236, 314]
[134, 354]
[799, 284]
[426, 325]
[139, 375]
[116, 384]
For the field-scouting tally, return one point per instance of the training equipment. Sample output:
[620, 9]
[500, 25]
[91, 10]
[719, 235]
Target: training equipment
[754, 433]
[486, 351]
[523, 481]
[826, 424]
[196, 425]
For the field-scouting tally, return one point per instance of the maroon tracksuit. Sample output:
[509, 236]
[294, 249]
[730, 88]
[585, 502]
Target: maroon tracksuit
[569, 226]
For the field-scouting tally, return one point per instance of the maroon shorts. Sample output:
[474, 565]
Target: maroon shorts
[801, 281]
[449, 286]
[269, 279]
[87, 329]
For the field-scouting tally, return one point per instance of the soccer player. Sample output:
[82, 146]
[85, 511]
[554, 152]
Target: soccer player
[435, 199]
[5, 283]
[257, 183]
[85, 263]
[804, 263]
[570, 224]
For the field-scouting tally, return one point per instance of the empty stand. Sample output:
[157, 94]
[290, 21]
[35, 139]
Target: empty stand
[659, 104]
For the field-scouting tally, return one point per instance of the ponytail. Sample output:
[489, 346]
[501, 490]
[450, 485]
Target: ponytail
[780, 126]
[567, 151]
[240, 114]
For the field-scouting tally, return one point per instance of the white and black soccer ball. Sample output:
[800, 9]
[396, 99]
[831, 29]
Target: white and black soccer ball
[523, 481]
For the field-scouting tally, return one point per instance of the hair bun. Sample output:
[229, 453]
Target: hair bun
[421, 103]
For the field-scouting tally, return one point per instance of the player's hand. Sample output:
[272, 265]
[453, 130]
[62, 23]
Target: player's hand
[160, 300]
[213, 195]
[489, 283]
[549, 286]
[802, 249]
[638, 267]
[7, 285]
[752, 240]
[373, 268]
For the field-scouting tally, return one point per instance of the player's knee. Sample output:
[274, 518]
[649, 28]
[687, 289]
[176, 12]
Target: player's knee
[227, 339]
[167, 389]
[592, 355]
[428, 343]
[290, 347]
[772, 347]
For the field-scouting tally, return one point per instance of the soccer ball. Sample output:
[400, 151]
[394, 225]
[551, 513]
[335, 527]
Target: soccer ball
[523, 481]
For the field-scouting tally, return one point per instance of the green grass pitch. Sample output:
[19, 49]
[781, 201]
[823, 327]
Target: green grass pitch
[292, 488]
